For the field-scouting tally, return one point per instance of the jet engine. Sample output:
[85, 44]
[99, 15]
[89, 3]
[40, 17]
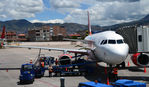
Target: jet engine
[65, 59]
[140, 59]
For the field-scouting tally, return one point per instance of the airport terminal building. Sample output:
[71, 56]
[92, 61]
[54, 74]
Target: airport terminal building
[47, 33]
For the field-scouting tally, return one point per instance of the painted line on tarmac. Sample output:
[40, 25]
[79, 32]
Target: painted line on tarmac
[48, 83]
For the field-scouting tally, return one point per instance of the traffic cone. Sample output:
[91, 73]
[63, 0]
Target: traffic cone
[108, 81]
[31, 62]
[96, 81]
[144, 69]
[128, 64]
[6, 70]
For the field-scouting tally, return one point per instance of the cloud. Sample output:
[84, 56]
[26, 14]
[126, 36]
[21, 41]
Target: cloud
[102, 12]
[49, 21]
[65, 6]
[110, 12]
[118, 0]
[16, 9]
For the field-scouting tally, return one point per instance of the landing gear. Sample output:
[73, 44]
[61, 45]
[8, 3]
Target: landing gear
[122, 65]
[113, 73]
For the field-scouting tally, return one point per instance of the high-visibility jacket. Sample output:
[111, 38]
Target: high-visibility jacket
[42, 64]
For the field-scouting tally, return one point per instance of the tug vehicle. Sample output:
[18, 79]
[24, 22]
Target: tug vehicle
[27, 73]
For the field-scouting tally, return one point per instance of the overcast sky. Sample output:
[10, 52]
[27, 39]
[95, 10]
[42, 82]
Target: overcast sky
[102, 12]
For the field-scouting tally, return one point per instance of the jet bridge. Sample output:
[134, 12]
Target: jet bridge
[136, 38]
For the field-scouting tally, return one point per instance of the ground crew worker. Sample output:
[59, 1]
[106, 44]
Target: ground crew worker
[31, 62]
[56, 61]
[50, 71]
[115, 73]
[42, 64]
[1, 46]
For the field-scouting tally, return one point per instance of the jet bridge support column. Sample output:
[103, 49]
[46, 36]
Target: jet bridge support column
[36, 62]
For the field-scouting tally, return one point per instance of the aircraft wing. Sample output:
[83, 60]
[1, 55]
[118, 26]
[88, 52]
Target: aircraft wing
[17, 68]
[56, 49]
[78, 40]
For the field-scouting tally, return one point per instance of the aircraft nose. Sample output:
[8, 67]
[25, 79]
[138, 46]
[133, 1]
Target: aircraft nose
[119, 54]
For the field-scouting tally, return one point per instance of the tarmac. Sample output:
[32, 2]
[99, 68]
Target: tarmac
[15, 57]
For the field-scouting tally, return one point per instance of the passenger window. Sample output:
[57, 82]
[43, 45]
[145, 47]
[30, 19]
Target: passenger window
[105, 42]
[102, 42]
[120, 41]
[111, 42]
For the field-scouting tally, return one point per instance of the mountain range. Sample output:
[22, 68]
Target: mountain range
[22, 25]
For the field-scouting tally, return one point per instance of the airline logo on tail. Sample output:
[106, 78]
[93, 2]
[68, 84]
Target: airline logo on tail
[3, 33]
[89, 26]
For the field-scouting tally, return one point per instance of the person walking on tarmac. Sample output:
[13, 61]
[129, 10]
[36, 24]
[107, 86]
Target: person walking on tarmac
[115, 73]
[50, 71]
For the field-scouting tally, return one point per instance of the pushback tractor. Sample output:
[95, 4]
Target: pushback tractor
[27, 73]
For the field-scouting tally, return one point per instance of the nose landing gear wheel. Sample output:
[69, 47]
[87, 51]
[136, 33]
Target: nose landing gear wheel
[122, 65]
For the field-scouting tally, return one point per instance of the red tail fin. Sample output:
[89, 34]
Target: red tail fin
[89, 26]
[3, 33]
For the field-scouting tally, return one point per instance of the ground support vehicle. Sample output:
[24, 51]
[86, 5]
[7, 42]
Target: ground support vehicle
[93, 84]
[128, 83]
[39, 71]
[27, 73]
[71, 69]
[118, 83]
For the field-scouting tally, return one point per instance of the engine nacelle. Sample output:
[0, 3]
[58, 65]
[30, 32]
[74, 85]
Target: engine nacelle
[65, 59]
[140, 59]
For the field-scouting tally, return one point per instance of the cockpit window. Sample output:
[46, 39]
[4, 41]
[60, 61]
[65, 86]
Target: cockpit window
[102, 42]
[105, 42]
[120, 41]
[111, 42]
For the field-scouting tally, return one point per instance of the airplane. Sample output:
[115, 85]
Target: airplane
[107, 46]
[2, 38]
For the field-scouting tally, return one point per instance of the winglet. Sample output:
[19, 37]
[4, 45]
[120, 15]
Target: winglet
[3, 33]
[89, 26]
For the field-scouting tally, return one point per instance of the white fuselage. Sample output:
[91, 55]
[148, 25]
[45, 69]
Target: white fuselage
[109, 47]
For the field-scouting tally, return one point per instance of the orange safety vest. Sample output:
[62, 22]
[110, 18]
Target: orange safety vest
[42, 64]
[115, 71]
